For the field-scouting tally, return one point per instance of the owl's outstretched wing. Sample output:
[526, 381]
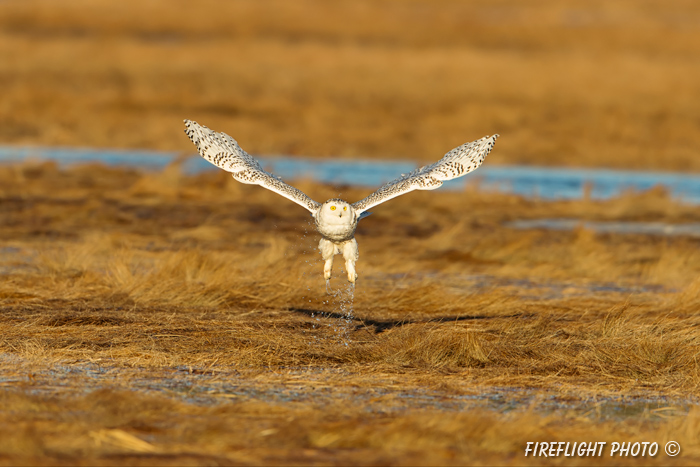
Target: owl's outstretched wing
[224, 152]
[456, 163]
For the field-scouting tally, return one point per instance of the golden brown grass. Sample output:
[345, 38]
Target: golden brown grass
[156, 318]
[585, 83]
[112, 426]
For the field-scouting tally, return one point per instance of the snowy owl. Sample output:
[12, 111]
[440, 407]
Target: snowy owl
[336, 219]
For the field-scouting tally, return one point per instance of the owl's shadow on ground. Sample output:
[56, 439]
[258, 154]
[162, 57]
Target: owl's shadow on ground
[384, 325]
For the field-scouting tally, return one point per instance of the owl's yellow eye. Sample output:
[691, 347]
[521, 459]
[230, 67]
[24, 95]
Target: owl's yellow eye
[345, 208]
[332, 208]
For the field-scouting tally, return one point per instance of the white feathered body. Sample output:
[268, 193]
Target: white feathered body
[336, 220]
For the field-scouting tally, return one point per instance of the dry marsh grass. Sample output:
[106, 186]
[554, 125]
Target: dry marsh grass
[111, 427]
[115, 282]
[587, 83]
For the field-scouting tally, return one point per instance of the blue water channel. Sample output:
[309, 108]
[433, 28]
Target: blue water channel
[528, 181]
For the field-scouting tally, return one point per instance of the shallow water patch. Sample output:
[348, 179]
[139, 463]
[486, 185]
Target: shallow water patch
[541, 182]
[322, 387]
[624, 227]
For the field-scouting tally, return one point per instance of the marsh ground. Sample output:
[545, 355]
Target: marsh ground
[585, 83]
[162, 318]
[156, 318]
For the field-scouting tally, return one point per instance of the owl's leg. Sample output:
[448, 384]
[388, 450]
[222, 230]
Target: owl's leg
[327, 271]
[351, 254]
[328, 250]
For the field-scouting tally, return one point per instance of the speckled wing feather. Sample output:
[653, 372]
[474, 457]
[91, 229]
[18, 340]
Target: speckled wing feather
[456, 163]
[224, 152]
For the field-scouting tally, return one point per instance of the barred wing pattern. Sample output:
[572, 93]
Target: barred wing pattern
[456, 163]
[224, 152]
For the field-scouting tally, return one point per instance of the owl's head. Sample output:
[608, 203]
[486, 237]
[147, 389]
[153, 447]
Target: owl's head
[337, 211]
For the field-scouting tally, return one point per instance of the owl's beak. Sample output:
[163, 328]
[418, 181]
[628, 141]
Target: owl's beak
[340, 214]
